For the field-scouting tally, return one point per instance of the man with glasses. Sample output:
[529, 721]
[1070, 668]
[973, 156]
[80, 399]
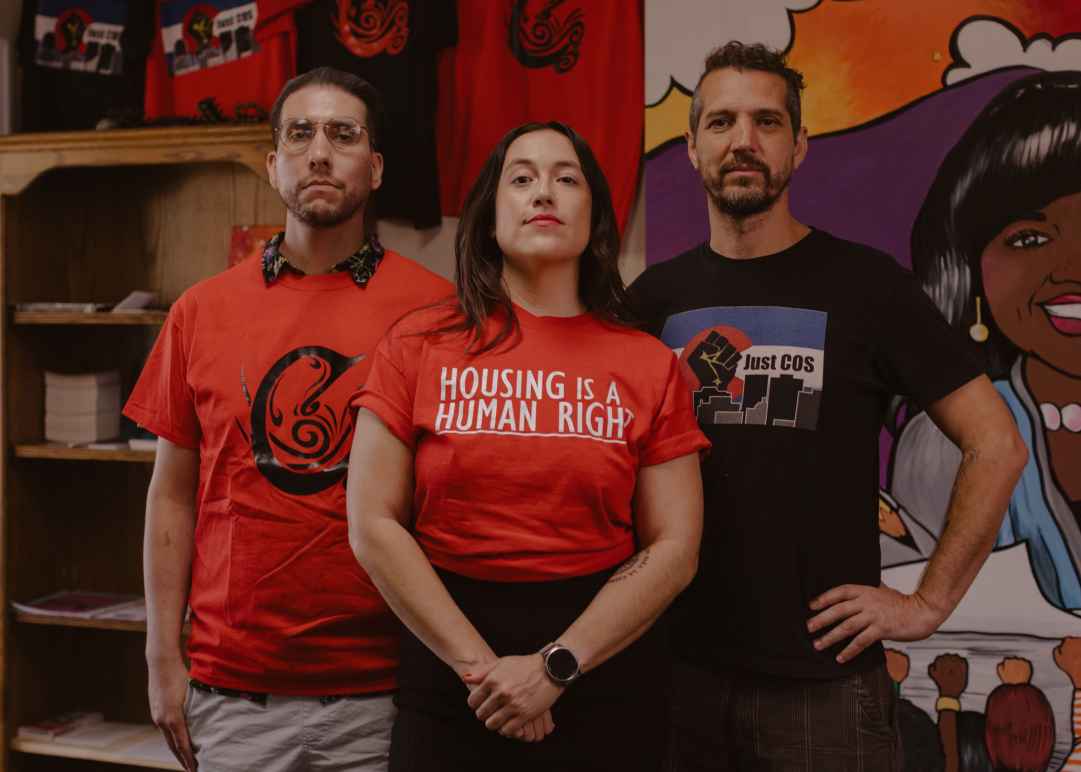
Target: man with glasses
[292, 650]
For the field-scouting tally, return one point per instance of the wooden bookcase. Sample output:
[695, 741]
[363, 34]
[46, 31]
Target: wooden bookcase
[90, 216]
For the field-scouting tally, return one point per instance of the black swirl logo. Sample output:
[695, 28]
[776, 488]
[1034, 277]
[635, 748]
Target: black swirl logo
[544, 39]
[299, 439]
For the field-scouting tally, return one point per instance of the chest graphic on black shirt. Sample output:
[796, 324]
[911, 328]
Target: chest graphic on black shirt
[752, 365]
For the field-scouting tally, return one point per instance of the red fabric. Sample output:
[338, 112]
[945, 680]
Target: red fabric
[279, 604]
[521, 488]
[256, 78]
[486, 90]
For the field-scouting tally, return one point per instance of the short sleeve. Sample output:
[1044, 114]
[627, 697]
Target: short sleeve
[391, 388]
[674, 431]
[917, 354]
[162, 400]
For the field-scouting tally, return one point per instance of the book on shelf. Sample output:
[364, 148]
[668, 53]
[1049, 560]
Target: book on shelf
[48, 306]
[101, 734]
[84, 604]
[249, 241]
[51, 728]
[136, 302]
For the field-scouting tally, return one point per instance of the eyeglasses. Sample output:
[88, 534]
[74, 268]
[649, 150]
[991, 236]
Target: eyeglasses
[344, 133]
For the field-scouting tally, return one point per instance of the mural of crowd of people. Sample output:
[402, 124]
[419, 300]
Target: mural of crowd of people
[955, 147]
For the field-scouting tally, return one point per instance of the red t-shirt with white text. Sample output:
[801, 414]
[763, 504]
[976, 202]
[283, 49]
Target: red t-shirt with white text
[259, 380]
[526, 458]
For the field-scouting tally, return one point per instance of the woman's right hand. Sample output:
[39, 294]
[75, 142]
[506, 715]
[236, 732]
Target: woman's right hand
[501, 692]
[167, 692]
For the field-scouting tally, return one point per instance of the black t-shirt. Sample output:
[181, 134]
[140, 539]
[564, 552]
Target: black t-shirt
[393, 46]
[83, 60]
[794, 356]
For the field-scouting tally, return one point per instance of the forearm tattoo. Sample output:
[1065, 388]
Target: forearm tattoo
[635, 564]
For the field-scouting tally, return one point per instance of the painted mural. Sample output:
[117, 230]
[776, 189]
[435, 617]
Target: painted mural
[949, 135]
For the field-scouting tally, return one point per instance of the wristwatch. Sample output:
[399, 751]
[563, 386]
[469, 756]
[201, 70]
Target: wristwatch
[560, 664]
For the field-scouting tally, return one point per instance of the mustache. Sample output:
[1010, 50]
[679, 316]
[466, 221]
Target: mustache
[744, 161]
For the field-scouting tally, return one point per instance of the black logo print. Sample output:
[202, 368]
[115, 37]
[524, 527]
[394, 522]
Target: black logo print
[299, 447]
[545, 39]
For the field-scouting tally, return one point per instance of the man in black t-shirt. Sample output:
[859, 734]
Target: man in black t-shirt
[795, 341]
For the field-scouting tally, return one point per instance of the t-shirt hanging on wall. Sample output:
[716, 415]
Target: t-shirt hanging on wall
[393, 45]
[576, 61]
[238, 53]
[82, 60]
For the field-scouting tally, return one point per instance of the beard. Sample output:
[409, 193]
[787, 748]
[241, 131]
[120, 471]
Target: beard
[747, 197]
[321, 213]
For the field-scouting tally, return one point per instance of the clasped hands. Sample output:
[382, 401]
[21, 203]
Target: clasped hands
[513, 696]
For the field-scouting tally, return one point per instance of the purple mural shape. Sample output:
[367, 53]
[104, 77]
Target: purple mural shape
[865, 184]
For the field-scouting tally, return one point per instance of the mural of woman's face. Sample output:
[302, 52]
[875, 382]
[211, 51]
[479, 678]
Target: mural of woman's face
[1032, 278]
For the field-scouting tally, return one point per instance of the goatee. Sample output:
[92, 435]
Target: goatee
[319, 214]
[741, 201]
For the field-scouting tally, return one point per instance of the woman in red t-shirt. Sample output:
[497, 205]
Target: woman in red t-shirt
[524, 486]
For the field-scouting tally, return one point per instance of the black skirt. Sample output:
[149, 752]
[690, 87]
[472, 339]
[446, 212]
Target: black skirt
[615, 717]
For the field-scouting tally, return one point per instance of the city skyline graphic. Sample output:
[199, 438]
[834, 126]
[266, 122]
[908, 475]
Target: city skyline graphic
[752, 365]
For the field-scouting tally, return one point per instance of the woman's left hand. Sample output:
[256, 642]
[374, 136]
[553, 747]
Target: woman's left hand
[511, 692]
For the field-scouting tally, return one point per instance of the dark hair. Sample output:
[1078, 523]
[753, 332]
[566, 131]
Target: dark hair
[1022, 152]
[479, 260]
[347, 82]
[971, 742]
[756, 56]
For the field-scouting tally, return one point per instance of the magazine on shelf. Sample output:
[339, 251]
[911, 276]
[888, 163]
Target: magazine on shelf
[51, 728]
[85, 605]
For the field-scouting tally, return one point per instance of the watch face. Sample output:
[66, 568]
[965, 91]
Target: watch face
[562, 664]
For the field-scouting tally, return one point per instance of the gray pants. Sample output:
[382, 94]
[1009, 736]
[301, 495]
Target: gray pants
[289, 734]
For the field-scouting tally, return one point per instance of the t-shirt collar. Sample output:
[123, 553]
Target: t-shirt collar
[361, 265]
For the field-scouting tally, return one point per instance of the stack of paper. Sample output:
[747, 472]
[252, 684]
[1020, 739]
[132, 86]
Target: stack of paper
[82, 408]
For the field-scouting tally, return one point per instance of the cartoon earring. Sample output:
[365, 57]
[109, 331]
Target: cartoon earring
[978, 332]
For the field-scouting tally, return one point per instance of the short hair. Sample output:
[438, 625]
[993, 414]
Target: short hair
[479, 260]
[1022, 152]
[347, 82]
[755, 56]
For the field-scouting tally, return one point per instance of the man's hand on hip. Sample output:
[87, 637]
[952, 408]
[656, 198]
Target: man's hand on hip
[867, 614]
[167, 692]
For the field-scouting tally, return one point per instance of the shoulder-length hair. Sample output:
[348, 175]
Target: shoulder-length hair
[1022, 152]
[479, 260]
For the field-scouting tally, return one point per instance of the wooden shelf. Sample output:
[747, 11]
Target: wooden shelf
[23, 157]
[99, 317]
[63, 452]
[139, 751]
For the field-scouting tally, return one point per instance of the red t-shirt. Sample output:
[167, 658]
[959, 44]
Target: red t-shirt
[579, 61]
[259, 379]
[526, 458]
[237, 52]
